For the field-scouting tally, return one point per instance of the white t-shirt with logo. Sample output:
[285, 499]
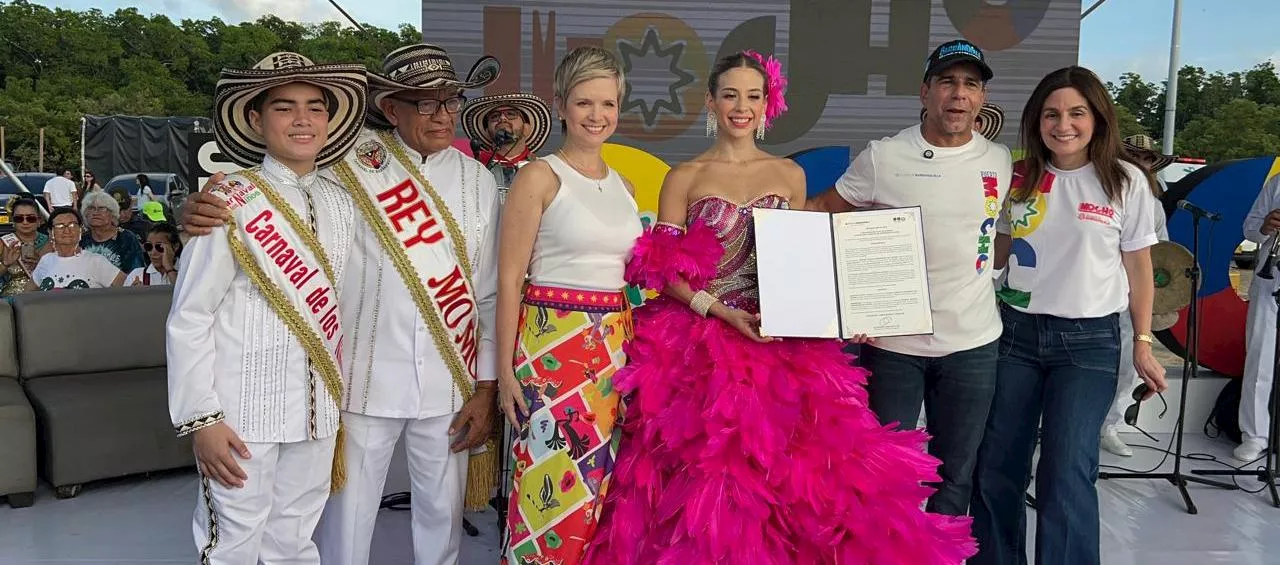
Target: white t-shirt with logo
[960, 191]
[1065, 260]
[82, 270]
[61, 191]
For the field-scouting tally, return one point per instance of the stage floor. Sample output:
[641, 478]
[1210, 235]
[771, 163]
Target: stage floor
[146, 520]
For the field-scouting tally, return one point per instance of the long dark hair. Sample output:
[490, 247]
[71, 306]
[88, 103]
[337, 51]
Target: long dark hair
[1105, 150]
[734, 61]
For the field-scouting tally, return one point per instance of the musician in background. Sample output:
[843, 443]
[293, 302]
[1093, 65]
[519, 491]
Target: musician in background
[506, 132]
[1260, 332]
[1142, 150]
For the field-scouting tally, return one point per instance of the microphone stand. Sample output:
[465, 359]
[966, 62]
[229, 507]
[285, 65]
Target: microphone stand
[1267, 474]
[1190, 367]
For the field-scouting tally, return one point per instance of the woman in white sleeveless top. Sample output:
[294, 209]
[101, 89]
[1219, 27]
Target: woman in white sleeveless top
[568, 227]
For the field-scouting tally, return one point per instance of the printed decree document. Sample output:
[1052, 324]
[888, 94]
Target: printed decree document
[839, 275]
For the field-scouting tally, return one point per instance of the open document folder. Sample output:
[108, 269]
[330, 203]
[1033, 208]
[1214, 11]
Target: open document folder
[840, 275]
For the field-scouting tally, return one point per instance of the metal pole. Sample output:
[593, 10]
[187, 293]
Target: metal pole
[1091, 9]
[82, 126]
[2, 153]
[41, 167]
[1171, 98]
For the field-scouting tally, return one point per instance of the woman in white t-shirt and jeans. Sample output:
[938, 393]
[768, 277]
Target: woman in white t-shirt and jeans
[1075, 236]
[69, 267]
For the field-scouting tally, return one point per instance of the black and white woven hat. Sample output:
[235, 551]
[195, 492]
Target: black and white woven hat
[423, 66]
[536, 112]
[343, 86]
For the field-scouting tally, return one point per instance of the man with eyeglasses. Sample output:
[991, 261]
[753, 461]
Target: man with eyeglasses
[506, 131]
[418, 302]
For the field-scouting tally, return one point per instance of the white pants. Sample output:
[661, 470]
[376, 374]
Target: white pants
[1127, 374]
[1259, 360]
[272, 518]
[438, 478]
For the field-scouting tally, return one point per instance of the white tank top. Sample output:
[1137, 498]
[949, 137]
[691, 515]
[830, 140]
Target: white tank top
[587, 233]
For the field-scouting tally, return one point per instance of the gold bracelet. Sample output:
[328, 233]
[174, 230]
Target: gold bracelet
[701, 302]
[1144, 337]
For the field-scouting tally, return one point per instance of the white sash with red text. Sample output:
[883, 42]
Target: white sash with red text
[425, 243]
[283, 257]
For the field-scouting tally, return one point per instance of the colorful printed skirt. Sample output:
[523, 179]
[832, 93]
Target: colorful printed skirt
[568, 348]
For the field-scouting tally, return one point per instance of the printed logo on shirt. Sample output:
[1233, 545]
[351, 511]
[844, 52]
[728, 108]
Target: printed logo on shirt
[1024, 219]
[1100, 213]
[990, 207]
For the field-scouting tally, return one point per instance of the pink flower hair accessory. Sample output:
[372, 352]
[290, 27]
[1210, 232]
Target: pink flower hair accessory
[776, 84]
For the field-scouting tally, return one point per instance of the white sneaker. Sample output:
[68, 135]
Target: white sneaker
[1250, 450]
[1111, 441]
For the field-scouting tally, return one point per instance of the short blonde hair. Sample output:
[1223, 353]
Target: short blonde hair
[584, 64]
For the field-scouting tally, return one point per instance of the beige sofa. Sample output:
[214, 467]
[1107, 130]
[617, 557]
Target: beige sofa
[92, 363]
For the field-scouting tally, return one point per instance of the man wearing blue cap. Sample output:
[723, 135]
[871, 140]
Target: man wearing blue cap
[959, 180]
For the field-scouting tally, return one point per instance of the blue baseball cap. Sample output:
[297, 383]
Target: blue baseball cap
[953, 52]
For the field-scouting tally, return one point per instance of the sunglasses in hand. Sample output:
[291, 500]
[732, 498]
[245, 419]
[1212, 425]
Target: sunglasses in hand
[1131, 413]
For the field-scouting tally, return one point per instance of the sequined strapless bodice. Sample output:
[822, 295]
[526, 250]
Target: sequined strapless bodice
[736, 281]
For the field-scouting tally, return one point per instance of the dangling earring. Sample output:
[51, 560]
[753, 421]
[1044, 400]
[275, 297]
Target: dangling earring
[760, 130]
[712, 126]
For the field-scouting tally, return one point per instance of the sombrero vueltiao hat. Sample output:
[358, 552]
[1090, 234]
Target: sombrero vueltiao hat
[992, 118]
[342, 84]
[535, 111]
[1142, 145]
[421, 66]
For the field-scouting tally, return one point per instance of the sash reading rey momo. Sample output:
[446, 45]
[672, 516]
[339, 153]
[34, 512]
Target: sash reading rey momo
[283, 258]
[425, 243]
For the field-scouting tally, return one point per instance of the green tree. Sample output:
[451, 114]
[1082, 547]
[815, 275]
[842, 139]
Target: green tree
[1241, 128]
[58, 65]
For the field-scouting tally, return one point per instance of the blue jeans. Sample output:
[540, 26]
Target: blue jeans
[956, 390]
[1056, 376]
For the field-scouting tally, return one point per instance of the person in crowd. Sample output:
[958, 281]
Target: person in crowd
[163, 247]
[739, 448]
[121, 247]
[22, 252]
[567, 230]
[507, 131]
[959, 181]
[68, 266]
[1074, 239]
[60, 191]
[137, 224]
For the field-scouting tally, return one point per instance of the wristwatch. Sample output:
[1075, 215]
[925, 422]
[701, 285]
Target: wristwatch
[1144, 337]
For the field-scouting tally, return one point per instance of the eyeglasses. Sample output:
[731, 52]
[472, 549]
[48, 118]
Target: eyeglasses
[67, 226]
[148, 246]
[97, 209]
[509, 115]
[429, 106]
[26, 219]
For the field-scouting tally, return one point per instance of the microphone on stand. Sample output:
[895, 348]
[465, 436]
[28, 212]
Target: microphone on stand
[1198, 211]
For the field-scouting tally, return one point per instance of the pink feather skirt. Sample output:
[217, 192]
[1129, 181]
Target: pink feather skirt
[738, 452]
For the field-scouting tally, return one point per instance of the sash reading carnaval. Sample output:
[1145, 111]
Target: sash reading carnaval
[423, 241]
[284, 260]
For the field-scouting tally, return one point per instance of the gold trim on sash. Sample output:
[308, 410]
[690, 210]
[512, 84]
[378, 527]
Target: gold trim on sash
[393, 248]
[320, 356]
[482, 467]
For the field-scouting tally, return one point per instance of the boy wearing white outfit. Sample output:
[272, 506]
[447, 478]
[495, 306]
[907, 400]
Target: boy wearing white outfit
[254, 336]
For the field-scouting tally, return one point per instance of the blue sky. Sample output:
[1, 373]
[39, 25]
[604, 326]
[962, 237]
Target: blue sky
[1120, 36]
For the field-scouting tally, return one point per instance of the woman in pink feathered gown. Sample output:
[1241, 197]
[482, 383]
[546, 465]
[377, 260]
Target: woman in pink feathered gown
[738, 448]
